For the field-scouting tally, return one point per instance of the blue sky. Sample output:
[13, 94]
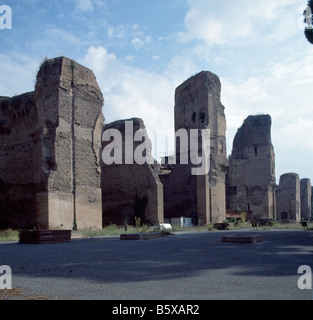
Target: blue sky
[141, 50]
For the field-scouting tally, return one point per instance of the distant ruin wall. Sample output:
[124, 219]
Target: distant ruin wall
[50, 151]
[18, 161]
[306, 198]
[52, 174]
[251, 174]
[288, 197]
[131, 191]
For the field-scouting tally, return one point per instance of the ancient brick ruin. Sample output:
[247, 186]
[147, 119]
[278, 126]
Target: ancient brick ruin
[49, 142]
[251, 174]
[52, 174]
[288, 199]
[202, 197]
[306, 198]
[132, 190]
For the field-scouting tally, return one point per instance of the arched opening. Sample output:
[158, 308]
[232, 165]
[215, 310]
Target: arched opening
[194, 115]
[202, 117]
[284, 216]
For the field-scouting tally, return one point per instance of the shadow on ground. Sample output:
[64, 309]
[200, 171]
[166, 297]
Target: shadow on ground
[110, 260]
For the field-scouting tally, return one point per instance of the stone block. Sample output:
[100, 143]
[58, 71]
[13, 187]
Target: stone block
[44, 236]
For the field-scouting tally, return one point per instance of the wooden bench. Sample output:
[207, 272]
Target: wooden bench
[44, 236]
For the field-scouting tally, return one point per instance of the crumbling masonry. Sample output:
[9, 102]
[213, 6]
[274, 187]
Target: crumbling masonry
[306, 198]
[52, 175]
[202, 197]
[49, 151]
[131, 191]
[288, 197]
[251, 174]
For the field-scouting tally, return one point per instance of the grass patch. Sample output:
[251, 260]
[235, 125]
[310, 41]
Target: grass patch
[274, 225]
[204, 228]
[295, 226]
[114, 230]
[8, 235]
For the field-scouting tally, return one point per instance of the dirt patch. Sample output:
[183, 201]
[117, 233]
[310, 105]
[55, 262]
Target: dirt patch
[19, 294]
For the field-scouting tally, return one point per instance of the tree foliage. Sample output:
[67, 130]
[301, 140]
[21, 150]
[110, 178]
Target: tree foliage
[308, 20]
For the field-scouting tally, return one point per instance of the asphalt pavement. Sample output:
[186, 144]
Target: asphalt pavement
[184, 266]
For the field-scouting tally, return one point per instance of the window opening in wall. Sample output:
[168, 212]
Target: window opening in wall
[194, 117]
[256, 150]
[284, 216]
[233, 190]
[202, 117]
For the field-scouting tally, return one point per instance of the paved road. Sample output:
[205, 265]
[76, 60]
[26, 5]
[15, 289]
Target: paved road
[192, 266]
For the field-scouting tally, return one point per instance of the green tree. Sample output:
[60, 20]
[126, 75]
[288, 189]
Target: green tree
[308, 20]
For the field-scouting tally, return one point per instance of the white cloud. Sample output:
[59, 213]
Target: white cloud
[139, 43]
[130, 33]
[181, 67]
[129, 58]
[118, 31]
[17, 66]
[132, 92]
[296, 133]
[84, 5]
[294, 147]
[140, 39]
[284, 93]
[220, 23]
[203, 27]
[281, 91]
[63, 35]
[257, 48]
